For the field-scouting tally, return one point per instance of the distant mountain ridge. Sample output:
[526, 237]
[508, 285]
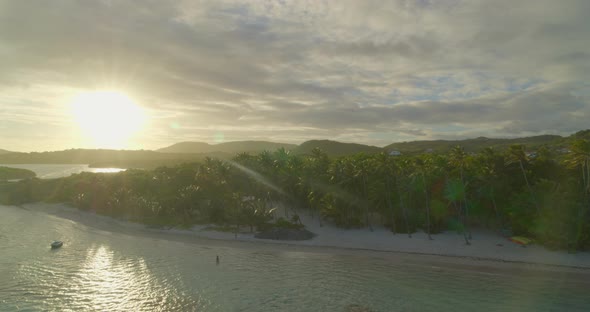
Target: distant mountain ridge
[3, 151]
[227, 147]
[474, 145]
[195, 151]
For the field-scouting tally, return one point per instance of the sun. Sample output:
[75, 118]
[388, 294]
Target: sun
[109, 118]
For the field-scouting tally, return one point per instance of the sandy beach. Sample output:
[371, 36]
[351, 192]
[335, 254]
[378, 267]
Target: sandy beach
[487, 248]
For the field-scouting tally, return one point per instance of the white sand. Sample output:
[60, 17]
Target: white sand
[484, 244]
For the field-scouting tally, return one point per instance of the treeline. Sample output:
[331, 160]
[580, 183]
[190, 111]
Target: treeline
[545, 196]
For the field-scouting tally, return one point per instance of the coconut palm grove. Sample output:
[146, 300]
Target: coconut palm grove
[544, 195]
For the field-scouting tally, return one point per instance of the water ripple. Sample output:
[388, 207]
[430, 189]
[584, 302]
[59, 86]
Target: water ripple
[97, 270]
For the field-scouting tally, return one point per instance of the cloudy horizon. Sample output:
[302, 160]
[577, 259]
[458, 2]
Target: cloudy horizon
[370, 72]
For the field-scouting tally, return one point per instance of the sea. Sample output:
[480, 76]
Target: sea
[100, 268]
[52, 171]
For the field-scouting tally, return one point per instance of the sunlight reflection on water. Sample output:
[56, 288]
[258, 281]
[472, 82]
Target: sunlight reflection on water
[106, 170]
[110, 283]
[100, 270]
[52, 171]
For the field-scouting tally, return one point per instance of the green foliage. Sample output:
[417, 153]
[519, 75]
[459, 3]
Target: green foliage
[520, 210]
[456, 225]
[438, 212]
[546, 197]
[286, 224]
[7, 173]
[455, 191]
[562, 222]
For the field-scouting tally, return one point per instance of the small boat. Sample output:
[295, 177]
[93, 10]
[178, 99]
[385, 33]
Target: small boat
[56, 244]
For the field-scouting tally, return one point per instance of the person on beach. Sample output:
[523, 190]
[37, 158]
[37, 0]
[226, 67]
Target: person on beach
[217, 260]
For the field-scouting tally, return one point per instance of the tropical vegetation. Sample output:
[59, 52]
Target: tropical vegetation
[543, 195]
[8, 173]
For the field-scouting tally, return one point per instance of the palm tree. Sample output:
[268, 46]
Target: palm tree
[517, 155]
[244, 159]
[579, 157]
[455, 193]
[347, 192]
[401, 179]
[385, 167]
[338, 177]
[265, 160]
[458, 159]
[285, 167]
[422, 169]
[315, 169]
[362, 172]
[487, 172]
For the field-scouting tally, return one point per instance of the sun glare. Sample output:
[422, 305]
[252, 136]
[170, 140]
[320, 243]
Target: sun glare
[109, 118]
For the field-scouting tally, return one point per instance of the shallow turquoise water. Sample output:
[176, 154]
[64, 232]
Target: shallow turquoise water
[98, 270]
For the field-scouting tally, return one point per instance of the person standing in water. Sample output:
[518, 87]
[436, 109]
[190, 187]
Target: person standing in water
[217, 260]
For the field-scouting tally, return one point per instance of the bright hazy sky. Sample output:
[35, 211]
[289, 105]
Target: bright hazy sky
[360, 71]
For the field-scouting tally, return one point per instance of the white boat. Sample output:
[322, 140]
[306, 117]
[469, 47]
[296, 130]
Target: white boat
[56, 244]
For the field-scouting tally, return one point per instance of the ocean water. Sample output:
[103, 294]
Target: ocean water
[101, 270]
[52, 171]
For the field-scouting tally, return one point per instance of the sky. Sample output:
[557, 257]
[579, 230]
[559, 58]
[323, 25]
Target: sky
[372, 72]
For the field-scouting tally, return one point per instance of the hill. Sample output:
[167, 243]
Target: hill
[227, 147]
[334, 148]
[3, 151]
[186, 147]
[7, 173]
[584, 134]
[473, 145]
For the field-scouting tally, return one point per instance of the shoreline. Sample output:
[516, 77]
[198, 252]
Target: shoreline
[446, 249]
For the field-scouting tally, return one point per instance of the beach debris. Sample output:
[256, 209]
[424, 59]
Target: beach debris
[521, 240]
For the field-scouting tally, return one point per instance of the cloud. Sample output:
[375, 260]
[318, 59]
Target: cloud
[372, 71]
